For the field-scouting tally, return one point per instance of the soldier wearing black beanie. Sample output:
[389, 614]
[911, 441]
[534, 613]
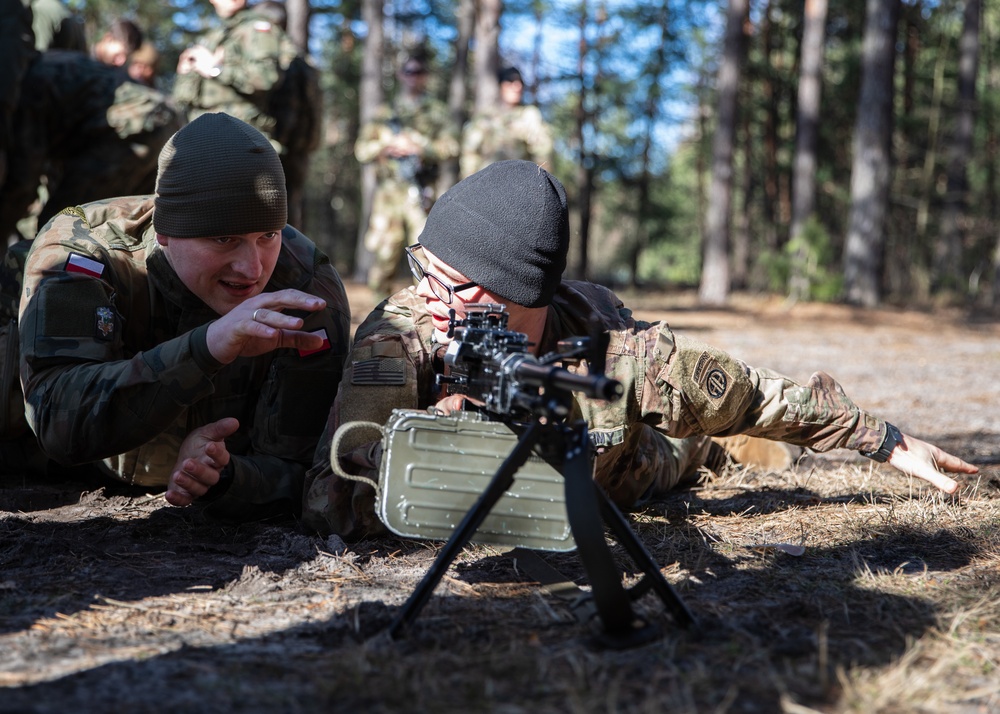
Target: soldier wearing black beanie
[516, 254]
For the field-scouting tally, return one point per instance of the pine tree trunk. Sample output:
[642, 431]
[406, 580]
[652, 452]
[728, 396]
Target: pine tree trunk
[370, 96]
[487, 54]
[714, 289]
[806, 132]
[865, 245]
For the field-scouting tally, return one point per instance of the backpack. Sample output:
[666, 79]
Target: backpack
[296, 104]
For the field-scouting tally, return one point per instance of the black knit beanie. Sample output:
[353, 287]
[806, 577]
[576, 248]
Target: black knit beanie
[219, 176]
[506, 228]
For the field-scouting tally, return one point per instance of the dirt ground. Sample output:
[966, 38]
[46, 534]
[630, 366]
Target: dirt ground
[112, 601]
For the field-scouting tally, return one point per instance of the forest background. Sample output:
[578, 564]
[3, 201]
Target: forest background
[825, 151]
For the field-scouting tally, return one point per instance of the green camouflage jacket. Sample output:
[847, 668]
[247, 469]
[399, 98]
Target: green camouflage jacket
[115, 364]
[506, 133]
[673, 385]
[255, 53]
[426, 121]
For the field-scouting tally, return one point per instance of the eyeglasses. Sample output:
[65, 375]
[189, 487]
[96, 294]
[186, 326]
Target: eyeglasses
[445, 292]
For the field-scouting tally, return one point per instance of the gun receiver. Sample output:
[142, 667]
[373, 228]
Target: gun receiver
[492, 364]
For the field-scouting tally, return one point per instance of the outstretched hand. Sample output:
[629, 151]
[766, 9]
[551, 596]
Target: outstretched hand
[202, 456]
[915, 457]
[259, 325]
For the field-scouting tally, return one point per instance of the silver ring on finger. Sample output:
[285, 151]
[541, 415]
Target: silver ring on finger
[255, 314]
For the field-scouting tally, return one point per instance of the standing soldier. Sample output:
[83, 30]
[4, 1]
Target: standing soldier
[243, 69]
[510, 131]
[88, 130]
[407, 141]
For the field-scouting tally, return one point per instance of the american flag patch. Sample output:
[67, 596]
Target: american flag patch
[77, 263]
[322, 348]
[379, 371]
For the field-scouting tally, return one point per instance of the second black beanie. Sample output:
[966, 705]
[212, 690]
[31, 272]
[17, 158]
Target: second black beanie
[506, 228]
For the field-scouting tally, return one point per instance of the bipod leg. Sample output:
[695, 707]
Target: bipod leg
[637, 551]
[622, 628]
[497, 487]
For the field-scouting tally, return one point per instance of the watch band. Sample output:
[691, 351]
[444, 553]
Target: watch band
[882, 453]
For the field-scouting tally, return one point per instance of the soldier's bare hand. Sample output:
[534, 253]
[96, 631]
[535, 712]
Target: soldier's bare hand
[915, 457]
[259, 325]
[200, 460]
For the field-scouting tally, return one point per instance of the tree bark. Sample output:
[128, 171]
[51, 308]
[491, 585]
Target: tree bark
[487, 54]
[714, 289]
[299, 13]
[370, 96]
[865, 245]
[806, 132]
[466, 16]
[948, 249]
[584, 175]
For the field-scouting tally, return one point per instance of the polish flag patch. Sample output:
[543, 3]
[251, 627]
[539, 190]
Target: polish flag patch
[82, 264]
[322, 348]
[262, 26]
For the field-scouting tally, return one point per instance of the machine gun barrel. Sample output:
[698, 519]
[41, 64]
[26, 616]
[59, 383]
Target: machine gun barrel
[526, 370]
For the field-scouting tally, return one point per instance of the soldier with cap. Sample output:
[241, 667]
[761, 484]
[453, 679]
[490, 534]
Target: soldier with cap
[511, 130]
[501, 236]
[190, 339]
[407, 141]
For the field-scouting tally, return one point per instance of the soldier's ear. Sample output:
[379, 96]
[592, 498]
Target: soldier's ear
[162, 239]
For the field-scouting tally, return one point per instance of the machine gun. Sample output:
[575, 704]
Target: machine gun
[533, 396]
[491, 364]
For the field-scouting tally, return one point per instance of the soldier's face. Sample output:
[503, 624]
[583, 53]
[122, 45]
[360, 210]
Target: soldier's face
[223, 271]
[228, 8]
[437, 307]
[511, 92]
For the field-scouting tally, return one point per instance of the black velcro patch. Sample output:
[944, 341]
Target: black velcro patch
[379, 371]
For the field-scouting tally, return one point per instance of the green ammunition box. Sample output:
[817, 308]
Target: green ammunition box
[435, 468]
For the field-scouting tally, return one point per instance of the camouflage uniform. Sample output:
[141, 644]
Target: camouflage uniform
[116, 369]
[256, 53]
[506, 133]
[673, 386]
[89, 130]
[405, 187]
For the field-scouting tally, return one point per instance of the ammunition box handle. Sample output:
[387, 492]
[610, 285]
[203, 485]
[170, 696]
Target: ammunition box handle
[342, 431]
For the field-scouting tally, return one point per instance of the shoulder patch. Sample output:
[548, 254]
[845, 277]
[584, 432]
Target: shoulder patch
[104, 324]
[710, 376]
[262, 26]
[379, 371]
[77, 263]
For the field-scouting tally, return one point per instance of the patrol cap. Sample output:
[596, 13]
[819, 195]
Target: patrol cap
[506, 228]
[219, 176]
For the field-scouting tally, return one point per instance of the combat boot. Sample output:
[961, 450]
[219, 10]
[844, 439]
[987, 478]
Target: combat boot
[755, 452]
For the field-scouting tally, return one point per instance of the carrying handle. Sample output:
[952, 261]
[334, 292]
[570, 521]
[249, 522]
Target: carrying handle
[342, 431]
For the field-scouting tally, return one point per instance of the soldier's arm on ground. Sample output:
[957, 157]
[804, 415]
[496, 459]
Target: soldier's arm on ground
[690, 388]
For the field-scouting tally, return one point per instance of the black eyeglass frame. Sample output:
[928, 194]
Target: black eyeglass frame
[436, 284]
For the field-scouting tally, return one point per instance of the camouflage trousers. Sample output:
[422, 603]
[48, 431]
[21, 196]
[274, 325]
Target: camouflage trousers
[396, 221]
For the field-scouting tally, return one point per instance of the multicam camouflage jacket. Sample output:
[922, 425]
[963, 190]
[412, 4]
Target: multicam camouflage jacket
[115, 364]
[506, 133]
[673, 385]
[255, 52]
[426, 122]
